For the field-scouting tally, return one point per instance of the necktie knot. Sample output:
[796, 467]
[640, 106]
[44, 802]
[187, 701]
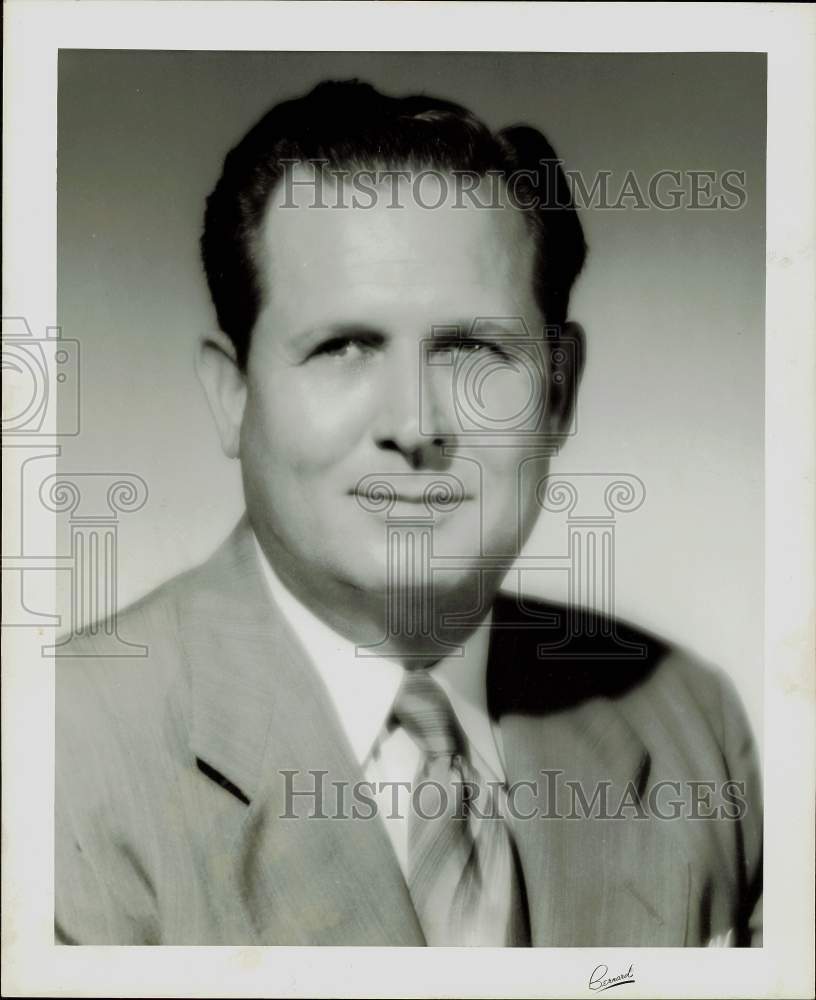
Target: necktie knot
[423, 710]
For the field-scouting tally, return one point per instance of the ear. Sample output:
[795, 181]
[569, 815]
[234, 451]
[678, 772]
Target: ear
[567, 365]
[224, 386]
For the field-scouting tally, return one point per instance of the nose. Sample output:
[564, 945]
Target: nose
[409, 420]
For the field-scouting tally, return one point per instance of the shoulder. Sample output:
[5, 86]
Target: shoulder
[548, 657]
[90, 669]
[121, 756]
[112, 710]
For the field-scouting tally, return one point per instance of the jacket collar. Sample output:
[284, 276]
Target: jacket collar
[234, 639]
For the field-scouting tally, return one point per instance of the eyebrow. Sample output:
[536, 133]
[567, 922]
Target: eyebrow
[477, 325]
[339, 330]
[460, 328]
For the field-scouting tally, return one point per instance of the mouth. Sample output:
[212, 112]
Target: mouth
[436, 499]
[409, 498]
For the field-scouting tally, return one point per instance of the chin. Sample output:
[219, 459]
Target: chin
[363, 570]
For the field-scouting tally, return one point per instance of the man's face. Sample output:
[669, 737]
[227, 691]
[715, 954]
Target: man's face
[342, 386]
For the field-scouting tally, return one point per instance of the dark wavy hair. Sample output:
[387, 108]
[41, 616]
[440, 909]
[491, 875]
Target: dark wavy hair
[349, 124]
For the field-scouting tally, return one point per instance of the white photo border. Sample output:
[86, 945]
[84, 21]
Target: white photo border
[35, 31]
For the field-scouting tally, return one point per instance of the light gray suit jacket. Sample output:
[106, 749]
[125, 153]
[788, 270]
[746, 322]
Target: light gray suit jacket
[169, 793]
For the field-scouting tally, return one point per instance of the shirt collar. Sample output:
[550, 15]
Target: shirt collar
[362, 688]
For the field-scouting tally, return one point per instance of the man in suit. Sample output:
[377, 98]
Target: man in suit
[343, 732]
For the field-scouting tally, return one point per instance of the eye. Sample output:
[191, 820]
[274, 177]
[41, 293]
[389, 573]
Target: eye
[346, 347]
[471, 345]
[475, 346]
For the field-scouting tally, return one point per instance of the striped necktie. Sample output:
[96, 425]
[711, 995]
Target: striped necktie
[462, 871]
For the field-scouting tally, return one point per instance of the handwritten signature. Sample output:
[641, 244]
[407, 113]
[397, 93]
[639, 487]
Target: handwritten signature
[599, 980]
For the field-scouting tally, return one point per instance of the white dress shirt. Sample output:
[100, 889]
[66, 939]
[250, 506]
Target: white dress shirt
[362, 690]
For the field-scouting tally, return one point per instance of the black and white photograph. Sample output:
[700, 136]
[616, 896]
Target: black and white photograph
[394, 510]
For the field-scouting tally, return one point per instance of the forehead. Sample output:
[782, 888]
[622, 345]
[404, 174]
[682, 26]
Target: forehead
[403, 241]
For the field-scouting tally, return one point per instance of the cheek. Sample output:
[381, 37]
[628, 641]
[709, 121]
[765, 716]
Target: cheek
[511, 477]
[493, 395]
[298, 427]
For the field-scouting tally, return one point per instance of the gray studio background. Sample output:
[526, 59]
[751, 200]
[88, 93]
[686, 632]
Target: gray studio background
[672, 302]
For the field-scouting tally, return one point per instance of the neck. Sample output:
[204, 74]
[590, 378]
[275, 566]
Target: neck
[417, 623]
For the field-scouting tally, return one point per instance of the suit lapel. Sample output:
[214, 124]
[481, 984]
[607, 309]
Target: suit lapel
[262, 721]
[589, 881]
